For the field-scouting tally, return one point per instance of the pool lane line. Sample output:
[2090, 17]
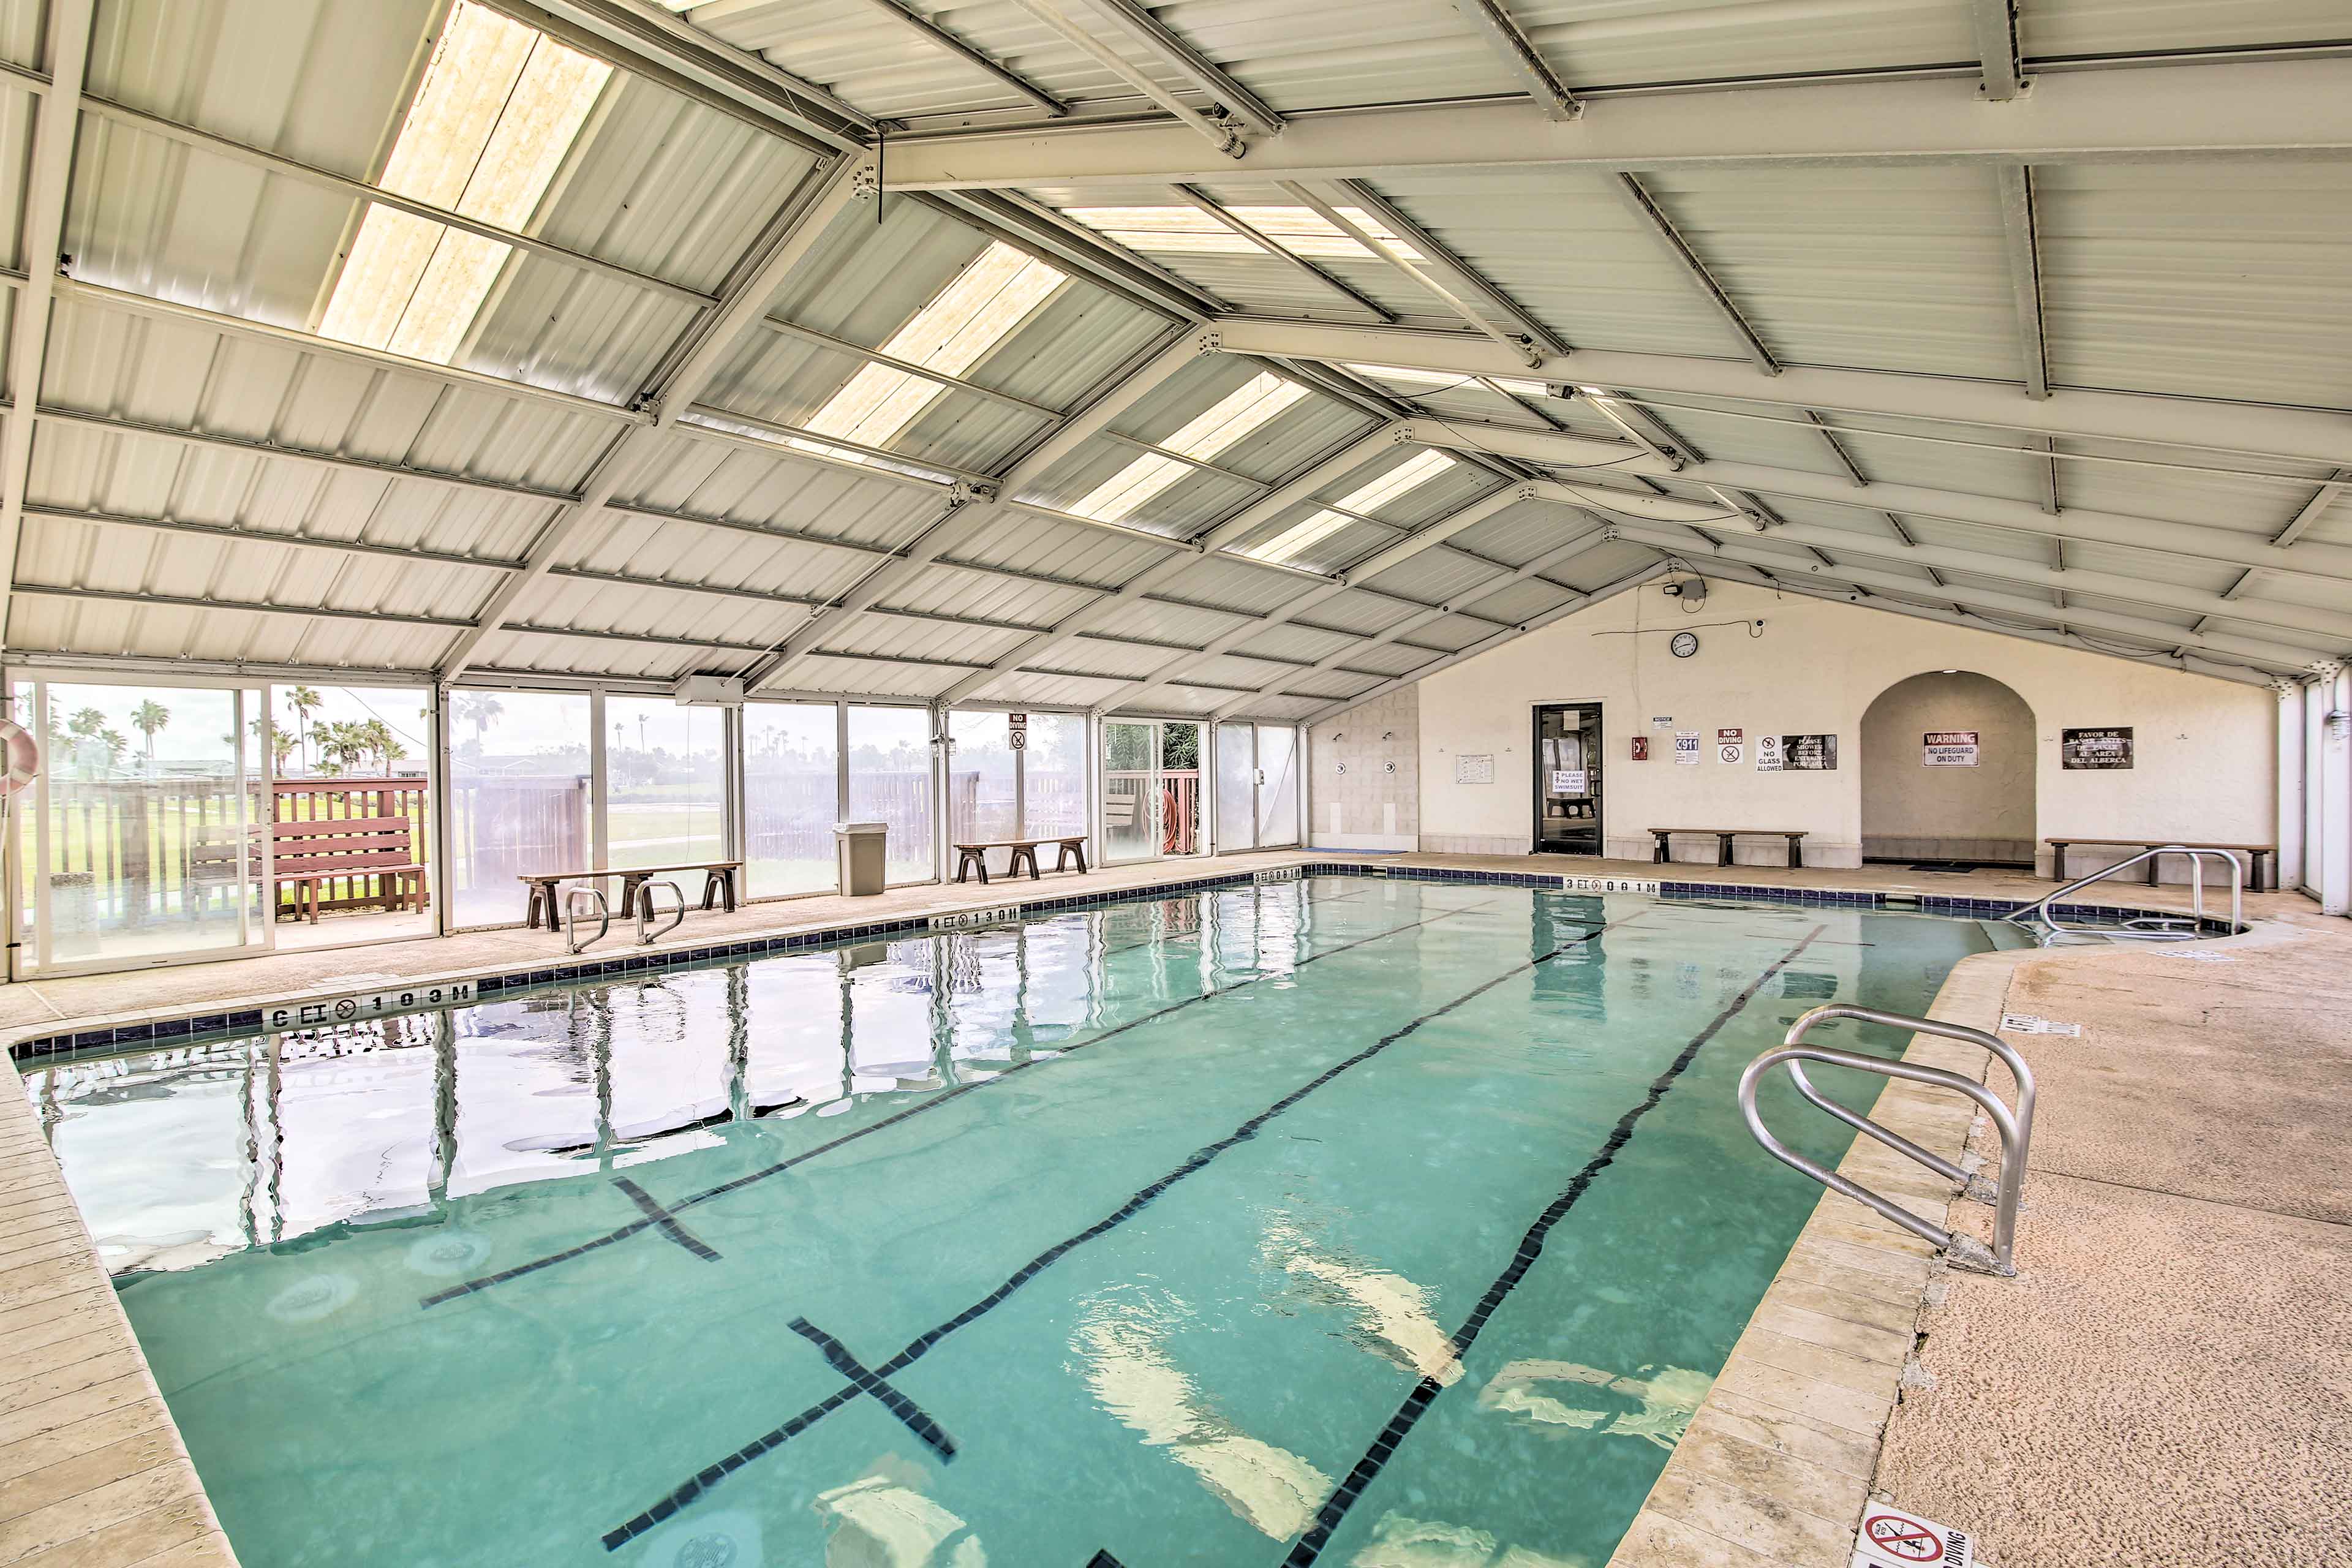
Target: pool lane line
[867, 1381]
[1424, 1393]
[665, 1221]
[688, 1491]
[471, 1287]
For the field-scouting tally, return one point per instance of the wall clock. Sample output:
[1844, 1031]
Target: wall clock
[1685, 644]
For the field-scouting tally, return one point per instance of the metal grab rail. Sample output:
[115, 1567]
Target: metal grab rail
[2015, 1127]
[2197, 858]
[646, 912]
[573, 910]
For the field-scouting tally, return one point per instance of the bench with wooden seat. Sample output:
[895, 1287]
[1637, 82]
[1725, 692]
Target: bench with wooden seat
[2256, 854]
[972, 857]
[1723, 838]
[308, 854]
[718, 887]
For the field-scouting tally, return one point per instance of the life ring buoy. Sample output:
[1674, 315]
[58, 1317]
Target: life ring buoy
[21, 755]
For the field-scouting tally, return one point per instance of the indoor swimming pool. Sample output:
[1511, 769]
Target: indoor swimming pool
[1351, 1220]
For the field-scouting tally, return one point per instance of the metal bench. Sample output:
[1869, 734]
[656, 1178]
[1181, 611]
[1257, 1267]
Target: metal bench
[972, 857]
[1723, 838]
[718, 887]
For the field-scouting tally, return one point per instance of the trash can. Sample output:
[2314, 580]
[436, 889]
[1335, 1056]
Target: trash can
[863, 848]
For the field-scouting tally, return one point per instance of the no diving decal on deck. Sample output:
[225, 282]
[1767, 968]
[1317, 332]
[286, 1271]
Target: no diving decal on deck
[332, 1010]
[2027, 1024]
[1889, 1538]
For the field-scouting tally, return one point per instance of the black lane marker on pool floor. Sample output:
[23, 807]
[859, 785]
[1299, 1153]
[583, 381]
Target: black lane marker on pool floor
[866, 1381]
[1424, 1393]
[663, 1222]
[470, 1287]
[923, 1344]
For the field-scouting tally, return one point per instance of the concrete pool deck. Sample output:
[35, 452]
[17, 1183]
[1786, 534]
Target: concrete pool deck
[1804, 1421]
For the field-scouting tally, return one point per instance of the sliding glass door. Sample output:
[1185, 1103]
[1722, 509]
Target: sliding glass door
[1257, 786]
[1151, 789]
[142, 851]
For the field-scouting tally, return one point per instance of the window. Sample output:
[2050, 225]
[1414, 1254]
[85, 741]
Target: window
[984, 783]
[518, 796]
[499, 109]
[1234, 417]
[666, 791]
[1364, 499]
[1053, 774]
[971, 315]
[792, 796]
[890, 782]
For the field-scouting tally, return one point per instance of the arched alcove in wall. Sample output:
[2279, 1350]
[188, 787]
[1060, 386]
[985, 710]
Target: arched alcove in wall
[1924, 801]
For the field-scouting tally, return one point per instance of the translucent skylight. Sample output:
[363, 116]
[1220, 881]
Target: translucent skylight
[499, 109]
[1235, 416]
[1366, 500]
[1299, 230]
[971, 315]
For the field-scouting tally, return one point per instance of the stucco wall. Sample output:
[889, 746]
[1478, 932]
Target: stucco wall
[1364, 775]
[1912, 811]
[2206, 747]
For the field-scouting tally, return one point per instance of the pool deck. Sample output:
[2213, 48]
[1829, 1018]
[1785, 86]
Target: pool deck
[2165, 1383]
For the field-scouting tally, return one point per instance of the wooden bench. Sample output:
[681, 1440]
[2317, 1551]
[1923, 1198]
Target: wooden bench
[307, 854]
[2257, 854]
[718, 887]
[1723, 838]
[972, 857]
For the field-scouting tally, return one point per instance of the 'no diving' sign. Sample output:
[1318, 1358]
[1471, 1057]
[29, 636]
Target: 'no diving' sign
[1890, 1538]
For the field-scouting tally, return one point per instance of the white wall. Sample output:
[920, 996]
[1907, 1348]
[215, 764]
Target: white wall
[2205, 768]
[1364, 775]
[1913, 812]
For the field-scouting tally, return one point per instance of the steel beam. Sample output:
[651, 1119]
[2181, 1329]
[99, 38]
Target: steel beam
[1200, 201]
[789, 441]
[41, 227]
[2159, 535]
[1003, 76]
[1645, 208]
[1633, 579]
[1077, 33]
[958, 521]
[2221, 110]
[1217, 81]
[2296, 435]
[1405, 226]
[1526, 353]
[2309, 513]
[1994, 23]
[2021, 246]
[1591, 539]
[1508, 42]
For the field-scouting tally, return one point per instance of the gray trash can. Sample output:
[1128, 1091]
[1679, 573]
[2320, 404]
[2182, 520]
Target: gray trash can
[863, 848]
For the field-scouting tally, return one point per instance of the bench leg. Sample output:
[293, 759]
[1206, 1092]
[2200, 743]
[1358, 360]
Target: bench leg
[726, 890]
[1796, 852]
[2153, 862]
[1027, 852]
[1062, 861]
[1658, 856]
[709, 888]
[1722, 848]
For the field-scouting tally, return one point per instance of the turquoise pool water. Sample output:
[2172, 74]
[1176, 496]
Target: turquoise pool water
[1352, 1221]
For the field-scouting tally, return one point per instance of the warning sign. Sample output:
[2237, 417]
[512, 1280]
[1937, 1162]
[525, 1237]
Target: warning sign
[1949, 749]
[1687, 747]
[1019, 723]
[1767, 753]
[1729, 747]
[1890, 1538]
[2027, 1024]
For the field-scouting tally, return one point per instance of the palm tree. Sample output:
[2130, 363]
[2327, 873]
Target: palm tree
[86, 723]
[304, 700]
[147, 718]
[115, 745]
[382, 742]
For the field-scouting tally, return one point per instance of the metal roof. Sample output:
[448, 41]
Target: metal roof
[2075, 361]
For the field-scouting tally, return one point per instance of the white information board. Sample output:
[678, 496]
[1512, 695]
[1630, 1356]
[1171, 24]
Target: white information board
[1473, 767]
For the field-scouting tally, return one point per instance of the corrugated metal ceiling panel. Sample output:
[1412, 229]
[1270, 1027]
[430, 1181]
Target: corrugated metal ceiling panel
[1713, 40]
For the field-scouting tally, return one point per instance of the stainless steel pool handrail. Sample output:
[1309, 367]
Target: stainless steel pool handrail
[2015, 1127]
[2041, 910]
[646, 912]
[573, 914]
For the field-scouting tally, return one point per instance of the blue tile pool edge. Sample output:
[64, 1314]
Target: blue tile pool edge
[180, 1025]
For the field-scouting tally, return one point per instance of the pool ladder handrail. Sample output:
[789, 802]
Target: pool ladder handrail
[574, 911]
[646, 913]
[2143, 930]
[2015, 1127]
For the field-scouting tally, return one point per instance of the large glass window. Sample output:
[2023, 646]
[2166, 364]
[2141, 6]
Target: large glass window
[349, 789]
[666, 801]
[1053, 774]
[792, 796]
[890, 782]
[1236, 787]
[519, 797]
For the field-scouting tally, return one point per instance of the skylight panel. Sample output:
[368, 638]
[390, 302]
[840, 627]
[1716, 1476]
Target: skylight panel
[964, 321]
[1366, 499]
[1302, 231]
[1234, 417]
[499, 109]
